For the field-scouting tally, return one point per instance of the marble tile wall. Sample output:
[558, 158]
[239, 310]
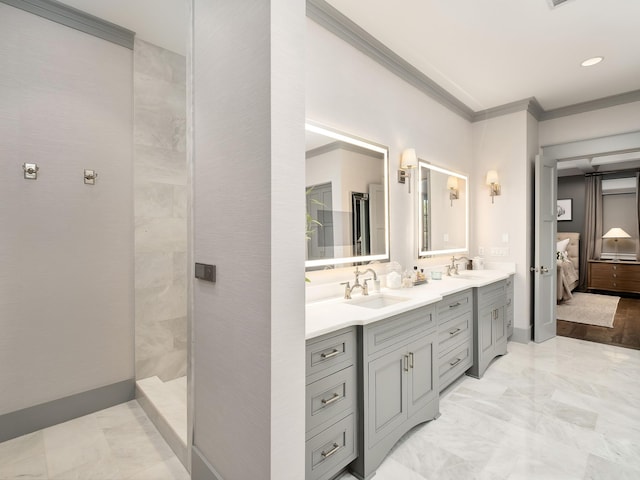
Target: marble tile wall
[160, 206]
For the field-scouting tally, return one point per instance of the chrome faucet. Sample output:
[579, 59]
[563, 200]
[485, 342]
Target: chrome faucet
[453, 268]
[348, 289]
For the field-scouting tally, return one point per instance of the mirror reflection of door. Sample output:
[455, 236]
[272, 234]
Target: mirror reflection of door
[360, 224]
[320, 242]
[425, 210]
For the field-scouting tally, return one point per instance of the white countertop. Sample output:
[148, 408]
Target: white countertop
[330, 315]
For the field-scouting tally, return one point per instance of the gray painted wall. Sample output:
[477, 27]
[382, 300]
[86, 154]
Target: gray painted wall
[573, 187]
[249, 221]
[66, 249]
[160, 205]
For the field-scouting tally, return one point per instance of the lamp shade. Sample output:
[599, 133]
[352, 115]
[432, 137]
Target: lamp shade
[492, 177]
[616, 232]
[408, 158]
[452, 183]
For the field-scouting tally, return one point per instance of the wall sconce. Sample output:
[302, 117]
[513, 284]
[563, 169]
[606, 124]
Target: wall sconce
[494, 183]
[452, 186]
[408, 160]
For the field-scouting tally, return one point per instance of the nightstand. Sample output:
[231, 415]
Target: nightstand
[613, 276]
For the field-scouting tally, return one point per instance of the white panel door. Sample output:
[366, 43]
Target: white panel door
[544, 269]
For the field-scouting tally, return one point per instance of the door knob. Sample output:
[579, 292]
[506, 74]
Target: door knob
[544, 270]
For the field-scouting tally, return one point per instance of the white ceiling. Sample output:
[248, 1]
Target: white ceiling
[487, 53]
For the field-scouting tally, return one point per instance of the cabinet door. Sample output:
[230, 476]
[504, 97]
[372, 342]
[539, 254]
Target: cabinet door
[486, 325]
[500, 325]
[387, 377]
[422, 373]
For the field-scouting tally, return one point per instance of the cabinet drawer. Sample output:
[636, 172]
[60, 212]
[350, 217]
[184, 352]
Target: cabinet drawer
[331, 397]
[455, 331]
[330, 353]
[330, 451]
[453, 305]
[399, 328]
[491, 293]
[454, 364]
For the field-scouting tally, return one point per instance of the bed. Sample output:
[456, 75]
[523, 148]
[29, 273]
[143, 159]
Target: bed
[568, 264]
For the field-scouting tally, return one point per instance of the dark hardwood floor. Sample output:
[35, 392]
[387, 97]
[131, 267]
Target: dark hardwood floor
[625, 331]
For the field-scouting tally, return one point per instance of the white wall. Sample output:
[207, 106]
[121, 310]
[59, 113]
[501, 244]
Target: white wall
[597, 123]
[348, 91]
[249, 204]
[501, 144]
[66, 249]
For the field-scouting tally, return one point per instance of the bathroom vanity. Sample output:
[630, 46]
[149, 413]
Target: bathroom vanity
[376, 365]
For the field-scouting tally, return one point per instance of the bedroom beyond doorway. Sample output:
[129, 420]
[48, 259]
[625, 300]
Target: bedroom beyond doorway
[624, 333]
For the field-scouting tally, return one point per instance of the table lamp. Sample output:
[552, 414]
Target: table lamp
[615, 233]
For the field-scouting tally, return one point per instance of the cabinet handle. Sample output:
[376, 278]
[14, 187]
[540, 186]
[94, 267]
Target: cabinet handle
[335, 397]
[325, 356]
[615, 275]
[508, 302]
[335, 448]
[454, 363]
[410, 359]
[455, 332]
[406, 363]
[454, 305]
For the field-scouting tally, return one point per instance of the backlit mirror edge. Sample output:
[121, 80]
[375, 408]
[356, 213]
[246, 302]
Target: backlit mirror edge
[315, 127]
[433, 253]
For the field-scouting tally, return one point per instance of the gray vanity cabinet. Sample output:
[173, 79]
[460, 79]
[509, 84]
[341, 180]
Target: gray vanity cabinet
[455, 335]
[509, 310]
[331, 402]
[489, 326]
[400, 383]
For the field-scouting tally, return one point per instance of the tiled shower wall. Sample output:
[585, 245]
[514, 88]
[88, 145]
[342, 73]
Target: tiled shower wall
[160, 175]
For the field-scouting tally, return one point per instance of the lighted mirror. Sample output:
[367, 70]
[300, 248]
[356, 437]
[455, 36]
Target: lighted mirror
[347, 199]
[443, 211]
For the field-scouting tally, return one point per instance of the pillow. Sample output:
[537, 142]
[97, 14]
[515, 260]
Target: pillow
[562, 245]
[562, 256]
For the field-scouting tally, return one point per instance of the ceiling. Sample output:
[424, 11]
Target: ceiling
[486, 53]
[489, 53]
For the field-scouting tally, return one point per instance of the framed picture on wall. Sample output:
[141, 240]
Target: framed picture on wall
[565, 209]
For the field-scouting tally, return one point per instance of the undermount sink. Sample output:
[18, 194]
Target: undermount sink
[376, 301]
[471, 274]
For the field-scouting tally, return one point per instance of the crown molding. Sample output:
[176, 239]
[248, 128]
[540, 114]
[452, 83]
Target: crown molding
[76, 19]
[599, 103]
[331, 19]
[530, 105]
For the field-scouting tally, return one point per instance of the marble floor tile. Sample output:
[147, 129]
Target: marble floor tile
[119, 443]
[527, 418]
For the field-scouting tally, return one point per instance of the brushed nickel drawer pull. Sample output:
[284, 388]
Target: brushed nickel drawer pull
[454, 305]
[457, 361]
[406, 363]
[455, 332]
[335, 448]
[410, 359]
[335, 397]
[325, 356]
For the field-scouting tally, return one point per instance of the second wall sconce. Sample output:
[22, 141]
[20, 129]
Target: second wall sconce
[494, 184]
[408, 160]
[452, 186]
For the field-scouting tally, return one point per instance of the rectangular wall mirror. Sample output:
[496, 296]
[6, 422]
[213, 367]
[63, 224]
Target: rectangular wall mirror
[443, 211]
[347, 197]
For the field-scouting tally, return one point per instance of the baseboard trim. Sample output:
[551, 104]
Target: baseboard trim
[521, 335]
[201, 469]
[31, 419]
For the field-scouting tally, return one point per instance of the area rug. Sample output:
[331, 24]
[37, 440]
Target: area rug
[589, 308]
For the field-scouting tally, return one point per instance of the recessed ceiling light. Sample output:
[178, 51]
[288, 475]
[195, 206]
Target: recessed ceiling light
[589, 62]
